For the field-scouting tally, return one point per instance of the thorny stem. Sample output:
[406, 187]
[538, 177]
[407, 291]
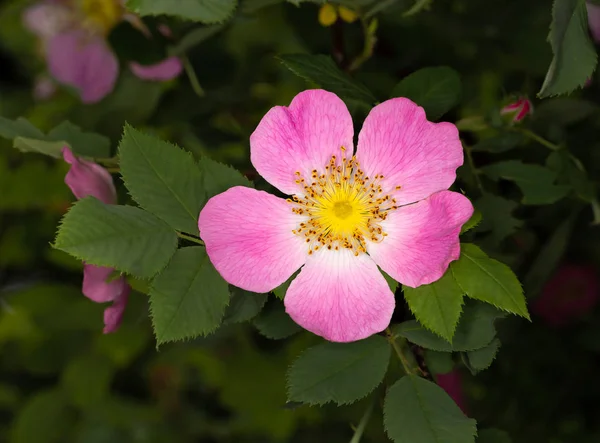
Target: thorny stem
[190, 238]
[392, 339]
[189, 70]
[363, 423]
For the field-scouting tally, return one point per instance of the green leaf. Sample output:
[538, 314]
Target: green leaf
[20, 127]
[45, 418]
[497, 216]
[219, 177]
[280, 290]
[493, 436]
[437, 306]
[322, 71]
[205, 11]
[483, 278]
[574, 54]
[188, 298]
[475, 330]
[338, 372]
[481, 359]
[438, 362]
[123, 237]
[393, 284]
[472, 222]
[87, 378]
[418, 411]
[87, 144]
[571, 172]
[192, 39]
[436, 89]
[536, 181]
[244, 305]
[275, 323]
[499, 143]
[162, 178]
[28, 138]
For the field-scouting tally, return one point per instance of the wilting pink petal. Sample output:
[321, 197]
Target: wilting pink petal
[249, 239]
[452, 384]
[570, 294]
[166, 70]
[340, 296]
[593, 12]
[113, 315]
[86, 178]
[398, 142]
[47, 19]
[84, 62]
[422, 238]
[301, 137]
[95, 286]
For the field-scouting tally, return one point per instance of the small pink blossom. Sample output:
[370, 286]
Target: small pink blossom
[571, 293]
[452, 384]
[385, 206]
[520, 109]
[85, 179]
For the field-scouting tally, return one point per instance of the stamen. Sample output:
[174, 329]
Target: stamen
[344, 209]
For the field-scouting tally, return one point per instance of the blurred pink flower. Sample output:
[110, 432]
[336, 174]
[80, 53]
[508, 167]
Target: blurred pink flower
[569, 294]
[73, 36]
[44, 88]
[593, 12]
[85, 179]
[452, 384]
[387, 206]
[519, 109]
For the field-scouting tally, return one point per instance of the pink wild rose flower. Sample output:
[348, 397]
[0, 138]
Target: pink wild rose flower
[571, 292]
[386, 205]
[519, 109]
[85, 179]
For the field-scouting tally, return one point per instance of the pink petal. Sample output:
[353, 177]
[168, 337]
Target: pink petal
[340, 296]
[593, 12]
[249, 239]
[84, 62]
[422, 238]
[301, 137]
[113, 315]
[86, 178]
[398, 142]
[166, 70]
[95, 286]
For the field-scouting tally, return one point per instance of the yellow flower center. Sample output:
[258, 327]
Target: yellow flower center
[343, 207]
[102, 14]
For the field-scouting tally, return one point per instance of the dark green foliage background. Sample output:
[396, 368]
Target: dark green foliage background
[62, 381]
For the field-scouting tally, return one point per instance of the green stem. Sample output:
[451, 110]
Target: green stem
[369, 29]
[541, 140]
[363, 423]
[398, 351]
[189, 70]
[417, 7]
[474, 170]
[190, 238]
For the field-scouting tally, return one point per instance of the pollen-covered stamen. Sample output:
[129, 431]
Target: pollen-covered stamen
[343, 207]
